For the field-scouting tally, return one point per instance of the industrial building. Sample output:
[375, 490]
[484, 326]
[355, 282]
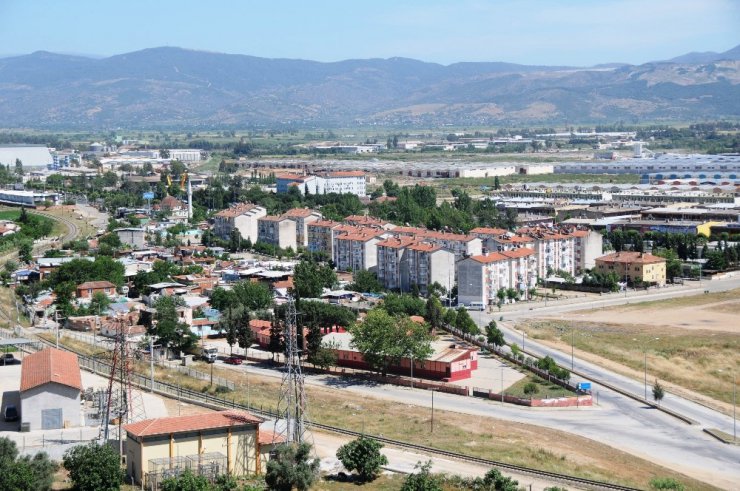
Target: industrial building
[28, 198]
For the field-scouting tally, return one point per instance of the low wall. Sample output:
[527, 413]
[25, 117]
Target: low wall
[576, 401]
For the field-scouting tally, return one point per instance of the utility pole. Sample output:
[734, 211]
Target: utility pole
[572, 348]
[151, 361]
[432, 412]
[734, 420]
[646, 374]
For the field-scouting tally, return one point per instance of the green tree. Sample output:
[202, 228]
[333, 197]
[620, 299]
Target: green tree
[450, 316]
[276, 338]
[24, 473]
[99, 303]
[530, 388]
[93, 467]
[403, 304]
[494, 480]
[465, 323]
[384, 340]
[168, 330]
[658, 392]
[494, 335]
[496, 183]
[422, 479]
[366, 282]
[25, 250]
[434, 313]
[292, 468]
[363, 455]
[310, 279]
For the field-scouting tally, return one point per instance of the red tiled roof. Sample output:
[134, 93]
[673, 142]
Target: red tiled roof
[50, 365]
[268, 437]
[424, 247]
[292, 177]
[95, 285]
[397, 242]
[349, 173]
[631, 258]
[236, 210]
[489, 258]
[298, 213]
[259, 324]
[284, 284]
[196, 422]
[488, 231]
[324, 223]
[519, 252]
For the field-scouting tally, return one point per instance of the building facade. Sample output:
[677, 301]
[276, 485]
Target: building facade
[634, 266]
[277, 231]
[242, 217]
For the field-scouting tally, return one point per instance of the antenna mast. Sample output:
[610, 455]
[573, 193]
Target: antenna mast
[292, 403]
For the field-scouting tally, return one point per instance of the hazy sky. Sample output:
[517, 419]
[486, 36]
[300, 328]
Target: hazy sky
[552, 32]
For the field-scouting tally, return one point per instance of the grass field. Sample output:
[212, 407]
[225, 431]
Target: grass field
[491, 438]
[545, 389]
[699, 360]
[10, 214]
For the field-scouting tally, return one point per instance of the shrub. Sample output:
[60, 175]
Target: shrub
[94, 467]
[362, 455]
[666, 483]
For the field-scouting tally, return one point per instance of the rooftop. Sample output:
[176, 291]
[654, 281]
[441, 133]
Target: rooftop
[50, 365]
[197, 422]
[629, 257]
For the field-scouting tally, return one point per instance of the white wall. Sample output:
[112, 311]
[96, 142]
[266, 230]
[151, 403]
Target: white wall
[51, 396]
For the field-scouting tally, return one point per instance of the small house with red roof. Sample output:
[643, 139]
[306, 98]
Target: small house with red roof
[50, 390]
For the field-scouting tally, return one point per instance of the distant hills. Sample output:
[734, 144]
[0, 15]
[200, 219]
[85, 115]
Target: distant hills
[173, 87]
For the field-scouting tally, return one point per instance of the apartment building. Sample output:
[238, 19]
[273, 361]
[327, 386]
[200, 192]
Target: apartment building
[508, 241]
[320, 236]
[391, 254]
[368, 221]
[357, 249]
[278, 231]
[555, 251]
[303, 183]
[634, 266]
[242, 217]
[587, 246]
[302, 218]
[342, 182]
[424, 264]
[481, 277]
[460, 244]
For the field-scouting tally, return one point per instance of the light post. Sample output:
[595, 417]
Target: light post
[502, 383]
[432, 420]
[572, 348]
[412, 370]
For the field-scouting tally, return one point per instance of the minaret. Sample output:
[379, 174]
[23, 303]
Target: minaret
[190, 199]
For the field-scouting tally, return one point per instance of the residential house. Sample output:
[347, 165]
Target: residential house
[634, 266]
[50, 390]
[89, 288]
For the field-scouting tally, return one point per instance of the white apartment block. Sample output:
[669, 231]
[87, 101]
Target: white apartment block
[588, 246]
[554, 251]
[459, 244]
[481, 277]
[391, 254]
[425, 264]
[242, 217]
[302, 218]
[186, 154]
[357, 250]
[277, 231]
[341, 182]
[321, 235]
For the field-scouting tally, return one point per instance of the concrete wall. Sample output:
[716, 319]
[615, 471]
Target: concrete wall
[470, 282]
[247, 223]
[51, 396]
[442, 268]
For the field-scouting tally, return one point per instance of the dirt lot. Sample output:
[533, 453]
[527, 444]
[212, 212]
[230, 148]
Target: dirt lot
[714, 312]
[693, 343]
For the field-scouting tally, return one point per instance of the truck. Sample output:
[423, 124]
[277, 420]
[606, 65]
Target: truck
[206, 353]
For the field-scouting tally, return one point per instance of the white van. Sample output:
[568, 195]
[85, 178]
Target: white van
[476, 306]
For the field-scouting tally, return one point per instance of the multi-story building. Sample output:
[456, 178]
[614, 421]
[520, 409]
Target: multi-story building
[356, 250]
[302, 218]
[368, 221]
[424, 264]
[555, 251]
[481, 277]
[391, 253]
[460, 244]
[634, 266]
[278, 231]
[486, 234]
[522, 269]
[242, 217]
[508, 241]
[588, 245]
[321, 235]
[342, 182]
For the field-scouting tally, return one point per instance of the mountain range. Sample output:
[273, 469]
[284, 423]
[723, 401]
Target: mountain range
[174, 87]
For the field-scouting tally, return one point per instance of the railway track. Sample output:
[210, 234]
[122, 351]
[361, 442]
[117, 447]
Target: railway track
[210, 401]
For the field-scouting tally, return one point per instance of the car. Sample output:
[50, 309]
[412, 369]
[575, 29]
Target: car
[7, 359]
[233, 360]
[11, 413]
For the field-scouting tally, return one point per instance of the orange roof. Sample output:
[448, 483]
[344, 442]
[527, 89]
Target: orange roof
[88, 285]
[491, 257]
[519, 252]
[324, 223]
[513, 239]
[272, 218]
[196, 422]
[50, 365]
[236, 210]
[298, 213]
[629, 257]
[397, 242]
[488, 231]
[284, 284]
[424, 247]
[292, 177]
[268, 437]
[260, 324]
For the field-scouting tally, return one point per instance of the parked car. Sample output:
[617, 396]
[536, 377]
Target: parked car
[233, 360]
[11, 413]
[7, 359]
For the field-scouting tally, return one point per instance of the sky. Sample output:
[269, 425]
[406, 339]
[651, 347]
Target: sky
[542, 32]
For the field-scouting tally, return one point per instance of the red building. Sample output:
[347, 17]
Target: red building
[90, 288]
[448, 362]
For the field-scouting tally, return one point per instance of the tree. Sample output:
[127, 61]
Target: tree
[494, 335]
[93, 467]
[169, 330]
[276, 338]
[423, 480]
[384, 340]
[310, 279]
[99, 303]
[465, 323]
[18, 167]
[24, 473]
[25, 250]
[530, 388]
[292, 468]
[187, 481]
[396, 304]
[363, 455]
[494, 480]
[434, 313]
[450, 316]
[365, 281]
[658, 392]
[496, 183]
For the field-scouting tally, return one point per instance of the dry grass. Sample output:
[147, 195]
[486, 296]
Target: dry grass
[490, 438]
[698, 360]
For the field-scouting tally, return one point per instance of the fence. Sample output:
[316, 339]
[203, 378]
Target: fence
[575, 401]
